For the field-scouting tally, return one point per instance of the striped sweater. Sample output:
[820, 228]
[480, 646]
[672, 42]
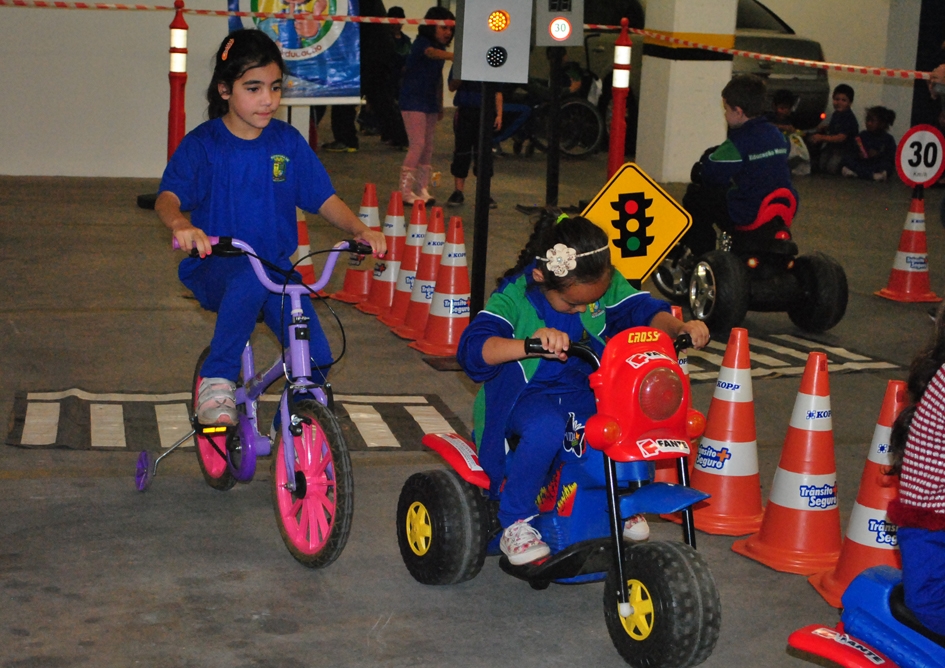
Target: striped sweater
[921, 502]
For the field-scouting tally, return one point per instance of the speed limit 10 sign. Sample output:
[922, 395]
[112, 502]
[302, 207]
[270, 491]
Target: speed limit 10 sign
[919, 157]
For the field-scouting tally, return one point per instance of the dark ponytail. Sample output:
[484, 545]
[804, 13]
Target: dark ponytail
[575, 232]
[239, 52]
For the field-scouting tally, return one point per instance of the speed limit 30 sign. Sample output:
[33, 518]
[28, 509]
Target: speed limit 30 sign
[919, 157]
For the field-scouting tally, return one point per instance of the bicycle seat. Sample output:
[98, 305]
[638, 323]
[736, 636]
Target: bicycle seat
[902, 614]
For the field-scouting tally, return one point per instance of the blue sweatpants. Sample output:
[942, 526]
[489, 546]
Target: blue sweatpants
[539, 420]
[228, 286]
[923, 575]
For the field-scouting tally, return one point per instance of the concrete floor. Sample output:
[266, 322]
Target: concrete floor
[93, 573]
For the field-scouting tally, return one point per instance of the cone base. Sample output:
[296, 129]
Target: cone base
[434, 349]
[785, 561]
[929, 297]
[348, 297]
[827, 586]
[391, 320]
[854, 559]
[409, 333]
[721, 526]
[372, 309]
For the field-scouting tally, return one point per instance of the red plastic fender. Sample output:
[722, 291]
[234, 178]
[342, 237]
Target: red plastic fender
[839, 647]
[461, 455]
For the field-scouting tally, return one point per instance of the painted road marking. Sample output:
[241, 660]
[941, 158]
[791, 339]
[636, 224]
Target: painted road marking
[374, 430]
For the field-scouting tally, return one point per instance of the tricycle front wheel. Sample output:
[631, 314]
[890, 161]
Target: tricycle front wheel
[676, 609]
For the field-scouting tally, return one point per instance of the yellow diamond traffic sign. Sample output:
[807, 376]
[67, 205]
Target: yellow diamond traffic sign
[642, 221]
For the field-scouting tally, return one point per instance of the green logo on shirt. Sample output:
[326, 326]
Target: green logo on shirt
[279, 163]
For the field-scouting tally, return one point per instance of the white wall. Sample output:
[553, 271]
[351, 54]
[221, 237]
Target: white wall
[86, 91]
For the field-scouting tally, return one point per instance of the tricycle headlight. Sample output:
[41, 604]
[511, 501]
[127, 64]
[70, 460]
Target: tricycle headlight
[661, 394]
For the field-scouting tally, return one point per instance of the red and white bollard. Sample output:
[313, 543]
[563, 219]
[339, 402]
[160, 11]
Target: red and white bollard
[620, 89]
[176, 117]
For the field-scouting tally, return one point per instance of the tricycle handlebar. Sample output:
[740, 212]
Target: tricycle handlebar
[584, 352]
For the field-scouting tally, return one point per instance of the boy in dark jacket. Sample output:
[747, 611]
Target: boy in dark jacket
[730, 181]
[834, 141]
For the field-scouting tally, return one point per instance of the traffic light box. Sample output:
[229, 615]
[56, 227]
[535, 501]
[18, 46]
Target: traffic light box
[492, 40]
[632, 223]
[559, 22]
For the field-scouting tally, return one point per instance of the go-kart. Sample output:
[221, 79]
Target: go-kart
[661, 604]
[875, 629]
[757, 267]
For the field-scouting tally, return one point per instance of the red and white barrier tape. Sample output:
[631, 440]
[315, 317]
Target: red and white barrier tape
[837, 67]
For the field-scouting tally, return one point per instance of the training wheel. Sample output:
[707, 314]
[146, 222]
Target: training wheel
[143, 472]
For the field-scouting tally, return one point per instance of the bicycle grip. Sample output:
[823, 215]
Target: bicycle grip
[682, 342]
[533, 347]
[176, 246]
[359, 248]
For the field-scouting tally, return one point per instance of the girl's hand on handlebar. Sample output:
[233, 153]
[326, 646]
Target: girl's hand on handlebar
[554, 341]
[375, 239]
[191, 238]
[698, 331]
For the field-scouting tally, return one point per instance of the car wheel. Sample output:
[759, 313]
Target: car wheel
[822, 299]
[719, 291]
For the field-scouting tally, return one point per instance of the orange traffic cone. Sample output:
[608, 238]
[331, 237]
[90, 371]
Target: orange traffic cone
[909, 278]
[870, 538]
[424, 284]
[408, 266]
[666, 468]
[305, 266]
[357, 283]
[800, 532]
[449, 308]
[727, 462]
[385, 270]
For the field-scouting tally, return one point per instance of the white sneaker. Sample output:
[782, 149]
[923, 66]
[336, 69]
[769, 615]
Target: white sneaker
[522, 544]
[879, 176]
[846, 171]
[636, 529]
[216, 403]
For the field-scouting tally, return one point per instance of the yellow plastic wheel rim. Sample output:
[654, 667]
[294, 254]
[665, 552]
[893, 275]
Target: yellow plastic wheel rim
[419, 528]
[639, 625]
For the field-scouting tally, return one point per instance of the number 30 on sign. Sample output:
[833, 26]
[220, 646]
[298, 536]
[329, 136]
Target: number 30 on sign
[919, 157]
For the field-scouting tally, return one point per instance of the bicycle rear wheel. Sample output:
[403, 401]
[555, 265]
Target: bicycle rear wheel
[315, 519]
[580, 129]
[211, 449]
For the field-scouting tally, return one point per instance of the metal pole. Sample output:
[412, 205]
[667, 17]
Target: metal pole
[477, 278]
[555, 56]
[620, 90]
[176, 117]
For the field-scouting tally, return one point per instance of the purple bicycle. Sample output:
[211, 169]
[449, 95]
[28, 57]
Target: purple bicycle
[312, 484]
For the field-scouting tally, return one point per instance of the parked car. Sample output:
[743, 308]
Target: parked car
[757, 29]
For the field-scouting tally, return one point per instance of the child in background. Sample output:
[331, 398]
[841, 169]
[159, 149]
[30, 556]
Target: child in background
[833, 141]
[564, 288]
[917, 445]
[421, 103]
[875, 155]
[783, 119]
[468, 103]
[242, 174]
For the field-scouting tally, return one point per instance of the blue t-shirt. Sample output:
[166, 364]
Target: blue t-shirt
[423, 76]
[248, 189]
[844, 123]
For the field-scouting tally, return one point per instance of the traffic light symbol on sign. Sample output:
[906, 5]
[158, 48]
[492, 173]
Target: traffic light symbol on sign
[632, 223]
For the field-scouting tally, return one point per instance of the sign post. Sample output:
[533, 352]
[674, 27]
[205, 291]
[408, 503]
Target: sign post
[642, 221]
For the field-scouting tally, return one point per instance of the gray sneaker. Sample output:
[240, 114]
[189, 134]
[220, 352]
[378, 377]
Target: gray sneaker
[216, 403]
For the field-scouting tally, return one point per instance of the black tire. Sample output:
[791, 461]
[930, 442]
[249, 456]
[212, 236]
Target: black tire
[677, 612]
[580, 132]
[672, 277]
[211, 450]
[719, 291]
[324, 489]
[822, 301]
[441, 528]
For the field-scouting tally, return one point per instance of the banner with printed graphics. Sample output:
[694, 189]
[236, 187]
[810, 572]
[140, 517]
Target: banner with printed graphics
[322, 57]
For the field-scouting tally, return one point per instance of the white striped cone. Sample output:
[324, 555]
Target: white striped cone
[385, 270]
[909, 278]
[424, 284]
[870, 538]
[800, 532]
[357, 283]
[727, 462]
[449, 308]
[305, 267]
[416, 232]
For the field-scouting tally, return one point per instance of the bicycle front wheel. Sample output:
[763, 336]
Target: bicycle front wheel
[314, 519]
